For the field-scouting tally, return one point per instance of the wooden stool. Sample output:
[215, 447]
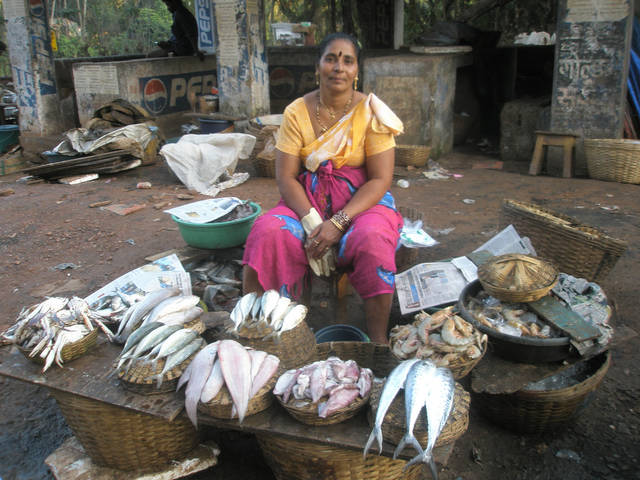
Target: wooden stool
[565, 140]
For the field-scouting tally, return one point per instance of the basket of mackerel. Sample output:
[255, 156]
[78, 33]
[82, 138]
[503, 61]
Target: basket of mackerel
[274, 324]
[227, 380]
[443, 337]
[54, 331]
[420, 406]
[514, 277]
[324, 392]
[161, 335]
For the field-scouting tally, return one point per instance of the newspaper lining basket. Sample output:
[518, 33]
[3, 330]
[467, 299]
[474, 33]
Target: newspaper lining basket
[536, 411]
[613, 159]
[70, 351]
[574, 248]
[292, 459]
[414, 155]
[120, 438]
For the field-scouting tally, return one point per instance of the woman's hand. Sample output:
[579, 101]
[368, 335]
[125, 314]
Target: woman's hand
[320, 240]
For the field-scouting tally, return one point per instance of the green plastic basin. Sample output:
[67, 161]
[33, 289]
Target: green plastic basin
[218, 234]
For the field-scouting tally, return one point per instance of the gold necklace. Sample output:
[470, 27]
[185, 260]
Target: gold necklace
[324, 128]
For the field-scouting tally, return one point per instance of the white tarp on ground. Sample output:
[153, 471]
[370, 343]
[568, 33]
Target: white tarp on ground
[206, 163]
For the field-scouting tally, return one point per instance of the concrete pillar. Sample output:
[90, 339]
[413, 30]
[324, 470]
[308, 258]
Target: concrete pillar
[33, 70]
[398, 24]
[591, 69]
[243, 77]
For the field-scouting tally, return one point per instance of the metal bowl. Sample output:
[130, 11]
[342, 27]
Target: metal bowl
[518, 349]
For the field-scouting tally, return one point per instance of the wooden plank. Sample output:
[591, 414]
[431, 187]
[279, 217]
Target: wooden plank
[564, 319]
[87, 377]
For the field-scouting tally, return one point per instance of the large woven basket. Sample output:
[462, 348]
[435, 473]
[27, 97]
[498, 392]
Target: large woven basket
[517, 278]
[529, 411]
[301, 460]
[394, 424]
[70, 350]
[265, 167]
[295, 347]
[414, 155]
[221, 405]
[574, 248]
[119, 438]
[613, 159]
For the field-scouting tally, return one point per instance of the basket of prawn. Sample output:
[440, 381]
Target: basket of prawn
[227, 380]
[324, 392]
[444, 337]
[514, 277]
[274, 324]
[155, 355]
[56, 330]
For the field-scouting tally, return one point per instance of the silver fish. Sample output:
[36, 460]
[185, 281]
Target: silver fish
[181, 317]
[202, 365]
[138, 335]
[438, 404]
[246, 305]
[153, 338]
[267, 304]
[177, 358]
[171, 305]
[281, 308]
[293, 317]
[416, 390]
[393, 384]
[186, 375]
[255, 311]
[214, 383]
[142, 308]
[174, 342]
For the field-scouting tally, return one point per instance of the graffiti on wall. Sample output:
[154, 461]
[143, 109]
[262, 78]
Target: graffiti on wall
[41, 47]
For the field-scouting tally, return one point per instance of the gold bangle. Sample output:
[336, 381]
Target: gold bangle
[342, 218]
[336, 224]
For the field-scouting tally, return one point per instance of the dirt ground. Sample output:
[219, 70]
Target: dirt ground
[48, 224]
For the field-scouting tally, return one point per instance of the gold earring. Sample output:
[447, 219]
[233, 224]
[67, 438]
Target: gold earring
[355, 84]
[317, 78]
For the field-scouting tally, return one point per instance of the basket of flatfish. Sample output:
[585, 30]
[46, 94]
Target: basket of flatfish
[226, 380]
[515, 332]
[433, 410]
[443, 337]
[274, 324]
[324, 392]
[156, 353]
[547, 404]
[56, 330]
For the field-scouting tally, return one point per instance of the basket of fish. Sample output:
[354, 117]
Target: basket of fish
[547, 404]
[274, 324]
[443, 337]
[432, 410]
[324, 392]
[56, 330]
[226, 380]
[515, 332]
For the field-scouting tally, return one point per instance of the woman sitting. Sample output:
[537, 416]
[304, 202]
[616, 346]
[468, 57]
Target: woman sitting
[334, 167]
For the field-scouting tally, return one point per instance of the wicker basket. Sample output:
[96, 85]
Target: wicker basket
[572, 247]
[70, 350]
[295, 347]
[517, 278]
[291, 459]
[394, 424]
[530, 411]
[119, 438]
[614, 160]
[221, 405]
[265, 165]
[414, 155]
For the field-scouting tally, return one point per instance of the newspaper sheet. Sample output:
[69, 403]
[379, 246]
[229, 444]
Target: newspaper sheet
[162, 273]
[508, 241]
[429, 285]
[205, 211]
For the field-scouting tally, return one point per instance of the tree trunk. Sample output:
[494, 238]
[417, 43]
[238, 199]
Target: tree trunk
[347, 17]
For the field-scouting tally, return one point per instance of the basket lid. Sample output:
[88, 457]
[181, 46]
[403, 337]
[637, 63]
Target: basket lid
[516, 272]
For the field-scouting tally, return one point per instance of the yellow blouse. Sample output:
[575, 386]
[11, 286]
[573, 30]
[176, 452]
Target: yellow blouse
[296, 136]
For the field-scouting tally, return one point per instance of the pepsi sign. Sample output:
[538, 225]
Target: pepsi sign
[166, 94]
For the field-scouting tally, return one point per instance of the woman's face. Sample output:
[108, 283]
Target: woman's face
[338, 66]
